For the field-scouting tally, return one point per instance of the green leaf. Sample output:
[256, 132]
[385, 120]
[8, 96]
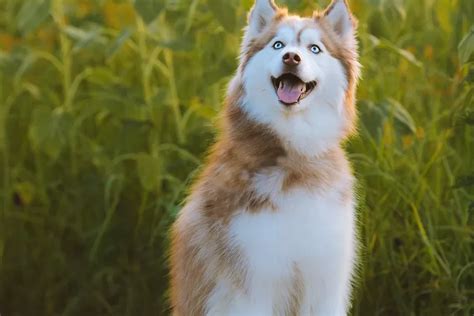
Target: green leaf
[84, 39]
[469, 117]
[184, 43]
[443, 13]
[148, 171]
[383, 43]
[50, 130]
[225, 13]
[465, 181]
[401, 115]
[466, 47]
[32, 14]
[149, 9]
[119, 41]
[25, 192]
[102, 76]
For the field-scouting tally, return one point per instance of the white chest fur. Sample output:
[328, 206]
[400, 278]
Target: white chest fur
[307, 238]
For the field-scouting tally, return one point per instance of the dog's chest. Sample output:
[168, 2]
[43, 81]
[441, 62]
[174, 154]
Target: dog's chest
[305, 229]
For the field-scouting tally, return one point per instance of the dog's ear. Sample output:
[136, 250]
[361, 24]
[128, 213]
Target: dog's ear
[341, 20]
[260, 16]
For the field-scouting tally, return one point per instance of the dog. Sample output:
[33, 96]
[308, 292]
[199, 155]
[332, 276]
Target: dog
[269, 226]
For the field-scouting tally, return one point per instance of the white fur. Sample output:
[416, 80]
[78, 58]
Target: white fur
[340, 16]
[312, 231]
[317, 122]
[262, 11]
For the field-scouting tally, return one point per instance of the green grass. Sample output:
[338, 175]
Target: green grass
[106, 111]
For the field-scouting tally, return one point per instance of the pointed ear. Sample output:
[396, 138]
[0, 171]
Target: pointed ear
[260, 16]
[340, 18]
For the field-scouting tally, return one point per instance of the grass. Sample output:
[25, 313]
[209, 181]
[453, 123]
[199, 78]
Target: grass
[107, 108]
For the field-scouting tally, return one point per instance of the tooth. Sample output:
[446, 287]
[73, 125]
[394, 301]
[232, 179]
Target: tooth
[281, 85]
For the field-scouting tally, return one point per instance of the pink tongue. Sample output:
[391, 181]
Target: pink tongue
[288, 93]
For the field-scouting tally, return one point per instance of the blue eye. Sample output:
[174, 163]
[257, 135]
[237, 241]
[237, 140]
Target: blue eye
[278, 45]
[315, 49]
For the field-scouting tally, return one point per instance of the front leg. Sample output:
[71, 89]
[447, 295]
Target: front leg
[330, 301]
[327, 290]
[328, 282]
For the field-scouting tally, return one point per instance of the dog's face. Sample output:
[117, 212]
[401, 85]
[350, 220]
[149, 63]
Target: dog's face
[299, 74]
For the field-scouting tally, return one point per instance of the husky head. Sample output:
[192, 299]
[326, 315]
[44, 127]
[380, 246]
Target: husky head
[298, 75]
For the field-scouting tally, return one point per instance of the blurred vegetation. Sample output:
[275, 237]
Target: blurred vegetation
[107, 108]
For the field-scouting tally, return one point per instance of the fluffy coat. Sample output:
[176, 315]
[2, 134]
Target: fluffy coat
[268, 228]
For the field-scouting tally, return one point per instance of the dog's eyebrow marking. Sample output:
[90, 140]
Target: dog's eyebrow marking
[298, 36]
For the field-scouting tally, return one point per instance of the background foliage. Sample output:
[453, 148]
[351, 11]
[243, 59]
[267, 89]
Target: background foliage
[107, 107]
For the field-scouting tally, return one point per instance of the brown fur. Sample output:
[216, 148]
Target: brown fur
[268, 32]
[296, 293]
[224, 188]
[348, 58]
[190, 288]
[246, 148]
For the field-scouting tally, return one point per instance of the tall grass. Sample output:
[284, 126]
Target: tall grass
[107, 108]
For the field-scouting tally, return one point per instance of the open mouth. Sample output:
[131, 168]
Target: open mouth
[290, 89]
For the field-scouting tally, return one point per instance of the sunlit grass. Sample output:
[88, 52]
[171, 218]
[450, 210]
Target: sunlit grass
[106, 113]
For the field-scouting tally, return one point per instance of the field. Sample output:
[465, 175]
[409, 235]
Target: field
[107, 108]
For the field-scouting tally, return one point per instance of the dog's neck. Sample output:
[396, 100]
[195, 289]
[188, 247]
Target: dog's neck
[251, 141]
[240, 127]
[255, 143]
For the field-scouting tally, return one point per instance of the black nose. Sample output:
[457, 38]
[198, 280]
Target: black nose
[291, 59]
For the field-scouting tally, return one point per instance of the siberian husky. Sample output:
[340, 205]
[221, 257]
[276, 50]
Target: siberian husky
[269, 227]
